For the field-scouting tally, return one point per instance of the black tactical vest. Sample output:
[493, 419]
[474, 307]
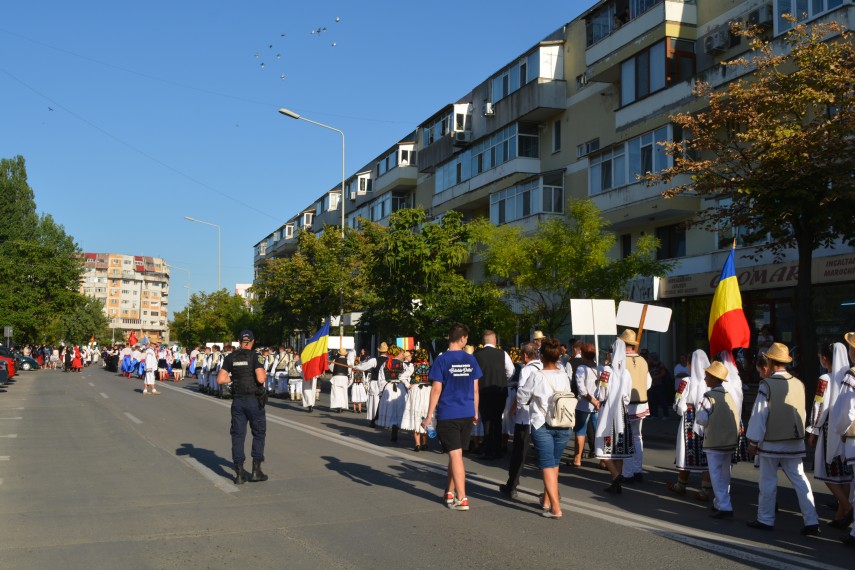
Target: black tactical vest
[243, 372]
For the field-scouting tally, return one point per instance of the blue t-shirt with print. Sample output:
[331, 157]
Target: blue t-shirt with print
[457, 371]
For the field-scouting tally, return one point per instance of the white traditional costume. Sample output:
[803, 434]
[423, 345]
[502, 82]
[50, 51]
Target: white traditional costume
[829, 464]
[393, 397]
[338, 382]
[690, 394]
[417, 399]
[613, 436]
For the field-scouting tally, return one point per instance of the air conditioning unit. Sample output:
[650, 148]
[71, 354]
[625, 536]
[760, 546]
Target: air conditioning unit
[716, 42]
[487, 110]
[353, 196]
[462, 137]
[762, 16]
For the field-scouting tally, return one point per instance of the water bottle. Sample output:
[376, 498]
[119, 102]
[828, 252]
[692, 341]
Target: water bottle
[431, 429]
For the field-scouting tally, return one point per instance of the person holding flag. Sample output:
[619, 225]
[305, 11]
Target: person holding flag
[315, 361]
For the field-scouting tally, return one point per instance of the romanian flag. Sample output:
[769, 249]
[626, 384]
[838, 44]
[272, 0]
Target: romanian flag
[728, 328]
[314, 356]
[405, 343]
[132, 340]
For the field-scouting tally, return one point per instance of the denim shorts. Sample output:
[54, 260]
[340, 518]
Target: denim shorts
[582, 419]
[550, 443]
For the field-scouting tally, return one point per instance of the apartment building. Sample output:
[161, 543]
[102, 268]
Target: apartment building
[579, 115]
[134, 290]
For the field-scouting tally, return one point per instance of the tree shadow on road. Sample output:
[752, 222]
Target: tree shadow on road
[206, 457]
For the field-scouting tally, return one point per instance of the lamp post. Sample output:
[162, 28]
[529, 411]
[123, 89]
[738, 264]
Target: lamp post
[219, 240]
[293, 115]
[189, 292]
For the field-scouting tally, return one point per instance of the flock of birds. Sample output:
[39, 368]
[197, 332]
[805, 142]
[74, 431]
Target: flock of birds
[314, 32]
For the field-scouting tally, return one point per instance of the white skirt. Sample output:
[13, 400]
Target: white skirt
[358, 395]
[309, 393]
[834, 471]
[416, 408]
[373, 399]
[392, 404]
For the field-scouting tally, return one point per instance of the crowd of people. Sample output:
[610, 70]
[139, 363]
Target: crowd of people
[68, 358]
[489, 401]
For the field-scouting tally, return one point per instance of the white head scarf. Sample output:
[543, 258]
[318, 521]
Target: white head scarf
[734, 382]
[696, 388]
[619, 383]
[839, 366]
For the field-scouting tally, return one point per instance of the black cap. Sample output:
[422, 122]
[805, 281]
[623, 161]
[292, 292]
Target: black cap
[246, 336]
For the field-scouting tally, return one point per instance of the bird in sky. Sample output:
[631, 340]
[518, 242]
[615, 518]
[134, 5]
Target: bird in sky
[333, 44]
[278, 56]
[282, 77]
[50, 108]
[262, 65]
[338, 19]
[256, 55]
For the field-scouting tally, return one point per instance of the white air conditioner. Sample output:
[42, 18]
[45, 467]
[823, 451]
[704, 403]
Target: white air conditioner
[762, 16]
[462, 137]
[353, 196]
[716, 42]
[487, 110]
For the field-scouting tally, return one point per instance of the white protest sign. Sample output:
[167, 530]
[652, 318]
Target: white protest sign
[643, 317]
[593, 316]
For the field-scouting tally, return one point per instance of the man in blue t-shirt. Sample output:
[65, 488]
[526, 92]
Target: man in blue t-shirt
[454, 397]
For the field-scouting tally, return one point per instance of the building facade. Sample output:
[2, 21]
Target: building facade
[579, 115]
[134, 290]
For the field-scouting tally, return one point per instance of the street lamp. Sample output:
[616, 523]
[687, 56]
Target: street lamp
[293, 115]
[189, 292]
[219, 240]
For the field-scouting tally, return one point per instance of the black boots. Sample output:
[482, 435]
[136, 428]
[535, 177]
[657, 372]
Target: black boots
[240, 474]
[257, 474]
[394, 433]
[615, 487]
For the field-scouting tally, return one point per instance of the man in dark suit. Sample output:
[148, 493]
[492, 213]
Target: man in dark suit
[497, 368]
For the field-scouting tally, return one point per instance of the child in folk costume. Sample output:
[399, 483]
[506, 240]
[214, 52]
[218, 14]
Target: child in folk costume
[613, 440]
[719, 418]
[417, 402]
[829, 465]
[690, 393]
[393, 396]
[841, 421]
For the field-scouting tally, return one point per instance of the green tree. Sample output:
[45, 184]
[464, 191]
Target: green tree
[417, 283]
[213, 317]
[40, 265]
[85, 319]
[775, 151]
[564, 259]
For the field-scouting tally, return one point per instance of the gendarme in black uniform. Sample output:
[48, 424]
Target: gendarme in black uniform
[247, 406]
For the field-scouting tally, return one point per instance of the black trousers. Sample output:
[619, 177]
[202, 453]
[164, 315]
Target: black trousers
[492, 404]
[522, 436]
[245, 409]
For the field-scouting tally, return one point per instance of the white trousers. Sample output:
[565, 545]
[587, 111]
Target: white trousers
[632, 465]
[295, 387]
[795, 472]
[373, 399]
[719, 463]
[149, 377]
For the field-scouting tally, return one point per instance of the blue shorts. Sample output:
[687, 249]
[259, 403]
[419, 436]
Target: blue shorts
[582, 419]
[550, 443]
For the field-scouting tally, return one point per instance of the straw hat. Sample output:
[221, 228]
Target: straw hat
[383, 347]
[628, 337]
[342, 351]
[718, 370]
[850, 338]
[779, 352]
[538, 335]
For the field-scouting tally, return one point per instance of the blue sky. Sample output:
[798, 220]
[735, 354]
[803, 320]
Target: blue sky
[132, 116]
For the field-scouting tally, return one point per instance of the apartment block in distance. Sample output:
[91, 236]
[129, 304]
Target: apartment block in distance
[579, 114]
[134, 290]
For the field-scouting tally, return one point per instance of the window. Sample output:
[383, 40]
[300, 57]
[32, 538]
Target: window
[364, 184]
[625, 245]
[556, 136]
[801, 9]
[289, 231]
[643, 74]
[624, 163]
[542, 195]
[521, 73]
[672, 241]
[587, 148]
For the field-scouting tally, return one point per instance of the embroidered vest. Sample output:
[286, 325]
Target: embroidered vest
[850, 379]
[722, 431]
[637, 368]
[786, 421]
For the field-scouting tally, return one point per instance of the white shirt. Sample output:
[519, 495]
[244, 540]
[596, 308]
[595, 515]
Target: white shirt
[522, 416]
[586, 381]
[539, 389]
[756, 431]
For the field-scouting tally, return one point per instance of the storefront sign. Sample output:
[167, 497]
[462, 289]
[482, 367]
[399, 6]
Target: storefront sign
[825, 270]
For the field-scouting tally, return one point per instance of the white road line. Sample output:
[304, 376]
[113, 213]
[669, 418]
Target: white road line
[133, 418]
[10, 436]
[741, 549]
[4, 458]
[15, 418]
[91, 384]
[219, 482]
[105, 396]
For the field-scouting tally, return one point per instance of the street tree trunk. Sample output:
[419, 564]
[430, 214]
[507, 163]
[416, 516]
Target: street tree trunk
[808, 370]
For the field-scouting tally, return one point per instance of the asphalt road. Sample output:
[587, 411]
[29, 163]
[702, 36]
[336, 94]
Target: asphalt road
[95, 475]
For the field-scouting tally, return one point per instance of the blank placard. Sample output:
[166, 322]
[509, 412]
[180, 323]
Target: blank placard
[593, 316]
[657, 319]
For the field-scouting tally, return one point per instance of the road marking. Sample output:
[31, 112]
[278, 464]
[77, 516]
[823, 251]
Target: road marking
[133, 418]
[756, 553]
[105, 396]
[91, 384]
[218, 481]
[10, 436]
[15, 418]
[4, 458]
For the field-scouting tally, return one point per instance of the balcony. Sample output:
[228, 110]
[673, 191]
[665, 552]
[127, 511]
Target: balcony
[437, 152]
[481, 186]
[664, 102]
[672, 18]
[636, 204]
[534, 102]
[399, 178]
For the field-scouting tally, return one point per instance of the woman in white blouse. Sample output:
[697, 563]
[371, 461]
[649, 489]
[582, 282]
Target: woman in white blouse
[549, 441]
[589, 405]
